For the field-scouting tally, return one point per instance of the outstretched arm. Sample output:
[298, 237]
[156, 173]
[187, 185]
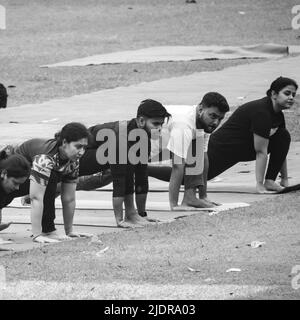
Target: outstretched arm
[37, 192]
[3, 226]
[284, 174]
[203, 188]
[175, 180]
[261, 149]
[68, 201]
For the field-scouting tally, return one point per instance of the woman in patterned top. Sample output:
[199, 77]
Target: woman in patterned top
[14, 171]
[52, 161]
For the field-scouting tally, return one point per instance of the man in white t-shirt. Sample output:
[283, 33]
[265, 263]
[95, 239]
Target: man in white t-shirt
[184, 140]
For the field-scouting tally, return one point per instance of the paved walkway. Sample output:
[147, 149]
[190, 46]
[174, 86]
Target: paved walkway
[239, 84]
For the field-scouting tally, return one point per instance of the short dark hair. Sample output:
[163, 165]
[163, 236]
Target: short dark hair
[16, 165]
[215, 99]
[72, 131]
[280, 83]
[152, 109]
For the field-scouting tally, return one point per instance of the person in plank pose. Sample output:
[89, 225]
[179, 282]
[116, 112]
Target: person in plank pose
[254, 131]
[14, 171]
[52, 161]
[177, 142]
[124, 147]
[185, 139]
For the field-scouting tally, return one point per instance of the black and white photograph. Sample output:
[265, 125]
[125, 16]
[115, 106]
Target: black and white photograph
[149, 152]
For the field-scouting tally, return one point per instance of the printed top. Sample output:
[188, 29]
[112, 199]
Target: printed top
[44, 156]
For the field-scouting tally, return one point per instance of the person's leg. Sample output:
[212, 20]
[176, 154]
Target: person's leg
[193, 178]
[160, 172]
[94, 181]
[49, 205]
[223, 157]
[279, 145]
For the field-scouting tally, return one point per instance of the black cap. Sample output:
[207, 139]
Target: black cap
[152, 109]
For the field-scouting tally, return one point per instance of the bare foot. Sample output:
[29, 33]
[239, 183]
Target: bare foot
[137, 219]
[271, 185]
[56, 236]
[190, 200]
[197, 203]
[213, 202]
[128, 225]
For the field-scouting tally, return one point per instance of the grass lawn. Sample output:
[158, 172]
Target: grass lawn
[158, 257]
[41, 32]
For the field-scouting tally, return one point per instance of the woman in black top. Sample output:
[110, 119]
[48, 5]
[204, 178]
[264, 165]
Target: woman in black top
[14, 171]
[253, 131]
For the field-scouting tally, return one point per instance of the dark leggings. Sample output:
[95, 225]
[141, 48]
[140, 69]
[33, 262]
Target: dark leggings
[223, 157]
[48, 224]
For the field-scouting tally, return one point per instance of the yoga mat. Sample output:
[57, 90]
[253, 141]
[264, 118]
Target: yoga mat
[295, 187]
[182, 53]
[151, 206]
[238, 84]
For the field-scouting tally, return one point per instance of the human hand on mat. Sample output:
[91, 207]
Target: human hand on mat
[183, 208]
[80, 235]
[284, 182]
[272, 185]
[43, 239]
[4, 226]
[128, 224]
[261, 189]
[213, 203]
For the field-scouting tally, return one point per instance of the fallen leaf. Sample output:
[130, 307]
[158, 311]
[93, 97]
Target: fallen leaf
[209, 280]
[101, 252]
[193, 270]
[234, 270]
[256, 244]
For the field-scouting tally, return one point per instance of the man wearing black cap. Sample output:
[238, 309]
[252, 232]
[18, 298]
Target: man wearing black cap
[124, 148]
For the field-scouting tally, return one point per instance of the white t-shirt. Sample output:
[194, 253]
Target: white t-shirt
[178, 133]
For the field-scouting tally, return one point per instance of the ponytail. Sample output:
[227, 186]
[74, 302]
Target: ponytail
[280, 83]
[73, 131]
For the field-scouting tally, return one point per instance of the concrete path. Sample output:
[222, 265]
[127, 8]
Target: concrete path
[238, 84]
